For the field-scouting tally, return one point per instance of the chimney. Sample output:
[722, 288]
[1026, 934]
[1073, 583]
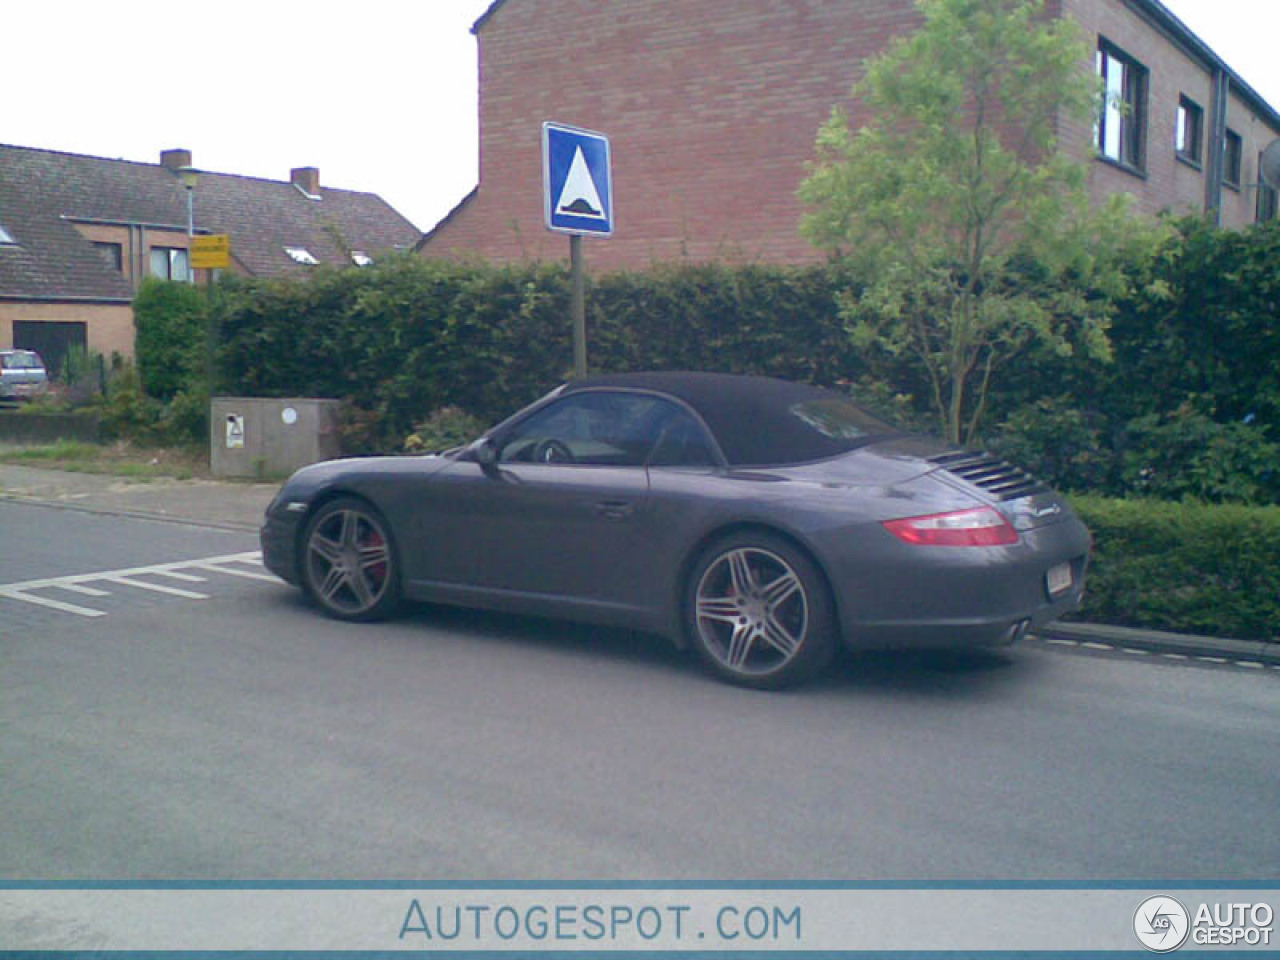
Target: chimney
[306, 179]
[173, 159]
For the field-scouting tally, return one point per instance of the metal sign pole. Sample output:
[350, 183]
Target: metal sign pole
[577, 199]
[578, 306]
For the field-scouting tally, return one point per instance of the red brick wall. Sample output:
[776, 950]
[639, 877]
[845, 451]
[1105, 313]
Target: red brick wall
[1169, 183]
[1239, 207]
[711, 107]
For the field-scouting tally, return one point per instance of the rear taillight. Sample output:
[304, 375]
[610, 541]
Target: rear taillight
[979, 527]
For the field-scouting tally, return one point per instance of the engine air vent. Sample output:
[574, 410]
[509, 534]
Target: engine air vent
[998, 477]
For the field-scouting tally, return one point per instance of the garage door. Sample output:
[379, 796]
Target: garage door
[51, 339]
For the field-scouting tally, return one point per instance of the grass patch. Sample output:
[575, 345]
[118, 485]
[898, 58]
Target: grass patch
[116, 459]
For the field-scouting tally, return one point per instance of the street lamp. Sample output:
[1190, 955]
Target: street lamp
[190, 176]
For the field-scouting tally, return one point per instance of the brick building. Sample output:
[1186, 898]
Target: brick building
[78, 234]
[712, 107]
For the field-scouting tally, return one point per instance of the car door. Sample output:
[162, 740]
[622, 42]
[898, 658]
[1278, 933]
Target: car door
[560, 514]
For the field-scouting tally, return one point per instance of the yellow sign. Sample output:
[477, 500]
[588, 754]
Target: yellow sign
[211, 253]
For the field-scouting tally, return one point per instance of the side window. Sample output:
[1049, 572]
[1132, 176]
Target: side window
[684, 443]
[599, 428]
[1122, 126]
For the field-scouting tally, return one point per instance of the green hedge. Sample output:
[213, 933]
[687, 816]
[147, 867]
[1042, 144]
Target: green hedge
[1184, 567]
[408, 336]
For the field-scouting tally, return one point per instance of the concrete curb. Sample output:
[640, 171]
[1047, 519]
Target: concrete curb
[1158, 641]
[229, 525]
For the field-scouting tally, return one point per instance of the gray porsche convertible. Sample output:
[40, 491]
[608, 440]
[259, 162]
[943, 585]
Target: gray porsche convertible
[762, 523]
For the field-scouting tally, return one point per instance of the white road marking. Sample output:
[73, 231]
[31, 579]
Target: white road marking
[1091, 645]
[83, 590]
[15, 594]
[129, 578]
[143, 585]
[184, 577]
[247, 574]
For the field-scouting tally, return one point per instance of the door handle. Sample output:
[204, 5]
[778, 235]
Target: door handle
[615, 509]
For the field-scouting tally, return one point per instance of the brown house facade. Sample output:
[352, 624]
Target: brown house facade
[78, 235]
[712, 107]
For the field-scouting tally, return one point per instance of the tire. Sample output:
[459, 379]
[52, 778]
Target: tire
[758, 612]
[348, 561]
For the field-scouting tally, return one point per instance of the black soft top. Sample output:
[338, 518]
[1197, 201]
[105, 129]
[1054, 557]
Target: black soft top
[759, 421]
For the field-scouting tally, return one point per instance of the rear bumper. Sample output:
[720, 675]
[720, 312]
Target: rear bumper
[895, 595]
[998, 630]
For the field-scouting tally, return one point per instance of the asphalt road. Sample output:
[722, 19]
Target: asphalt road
[241, 735]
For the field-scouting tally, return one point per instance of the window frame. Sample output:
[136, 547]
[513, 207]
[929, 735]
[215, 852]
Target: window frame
[172, 255]
[1134, 84]
[1232, 160]
[112, 253]
[665, 408]
[1191, 151]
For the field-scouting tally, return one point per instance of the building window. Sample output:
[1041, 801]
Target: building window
[112, 253]
[1266, 209]
[170, 263]
[360, 258]
[1190, 130]
[301, 255]
[5, 235]
[1231, 160]
[1122, 125]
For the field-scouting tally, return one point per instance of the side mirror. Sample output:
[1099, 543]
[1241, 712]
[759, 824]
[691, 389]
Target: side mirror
[484, 454]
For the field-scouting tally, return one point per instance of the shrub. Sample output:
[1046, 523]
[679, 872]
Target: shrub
[128, 413]
[1193, 568]
[1185, 454]
[1058, 442]
[170, 342]
[445, 428]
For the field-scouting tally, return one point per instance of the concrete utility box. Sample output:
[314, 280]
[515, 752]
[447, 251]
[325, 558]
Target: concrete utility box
[261, 438]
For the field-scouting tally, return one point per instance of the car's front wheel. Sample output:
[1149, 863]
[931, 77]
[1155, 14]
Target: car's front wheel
[758, 611]
[349, 562]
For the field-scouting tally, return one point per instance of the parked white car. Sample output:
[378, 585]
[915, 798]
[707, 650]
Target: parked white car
[22, 375]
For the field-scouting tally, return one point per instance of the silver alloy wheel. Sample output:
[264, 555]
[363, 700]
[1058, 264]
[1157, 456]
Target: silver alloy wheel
[751, 611]
[348, 561]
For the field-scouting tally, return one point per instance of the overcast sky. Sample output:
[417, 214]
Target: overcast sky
[380, 95]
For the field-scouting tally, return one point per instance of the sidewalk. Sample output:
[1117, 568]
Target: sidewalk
[214, 503]
[240, 506]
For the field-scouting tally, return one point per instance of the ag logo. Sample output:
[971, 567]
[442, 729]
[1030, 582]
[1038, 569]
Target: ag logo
[1162, 924]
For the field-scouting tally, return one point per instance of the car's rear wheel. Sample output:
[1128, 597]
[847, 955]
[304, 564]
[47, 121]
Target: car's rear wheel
[349, 562]
[758, 611]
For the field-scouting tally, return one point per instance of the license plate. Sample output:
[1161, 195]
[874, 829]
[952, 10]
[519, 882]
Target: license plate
[1058, 579]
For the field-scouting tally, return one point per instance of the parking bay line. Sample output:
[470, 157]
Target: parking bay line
[247, 574]
[76, 582]
[171, 591]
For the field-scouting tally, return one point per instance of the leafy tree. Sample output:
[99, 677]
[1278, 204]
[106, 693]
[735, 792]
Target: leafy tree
[974, 233]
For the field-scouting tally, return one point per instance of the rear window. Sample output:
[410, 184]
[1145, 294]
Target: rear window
[20, 360]
[837, 419]
[796, 425]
